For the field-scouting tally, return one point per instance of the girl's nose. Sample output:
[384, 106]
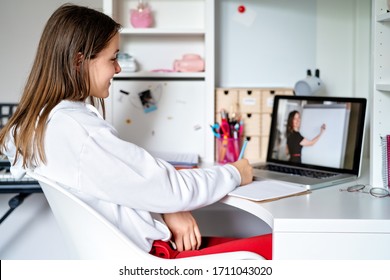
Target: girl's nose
[118, 68]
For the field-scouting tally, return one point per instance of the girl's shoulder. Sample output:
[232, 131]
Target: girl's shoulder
[77, 115]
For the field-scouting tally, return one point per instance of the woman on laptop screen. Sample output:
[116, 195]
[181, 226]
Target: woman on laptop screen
[295, 141]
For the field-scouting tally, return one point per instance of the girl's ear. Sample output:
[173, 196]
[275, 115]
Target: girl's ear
[79, 60]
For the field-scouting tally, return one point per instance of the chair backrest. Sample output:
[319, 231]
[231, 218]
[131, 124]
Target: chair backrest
[90, 236]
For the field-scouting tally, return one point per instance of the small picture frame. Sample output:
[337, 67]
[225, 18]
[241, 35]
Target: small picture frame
[148, 102]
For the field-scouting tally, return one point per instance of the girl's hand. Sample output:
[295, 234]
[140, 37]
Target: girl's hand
[185, 230]
[245, 169]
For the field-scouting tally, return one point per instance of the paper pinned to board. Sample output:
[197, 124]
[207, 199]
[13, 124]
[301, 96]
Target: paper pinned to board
[267, 190]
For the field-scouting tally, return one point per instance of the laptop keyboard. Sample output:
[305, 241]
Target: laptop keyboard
[8, 179]
[298, 171]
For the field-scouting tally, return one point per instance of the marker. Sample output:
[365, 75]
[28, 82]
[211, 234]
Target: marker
[243, 149]
[225, 127]
[215, 129]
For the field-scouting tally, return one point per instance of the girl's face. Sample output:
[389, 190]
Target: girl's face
[296, 123]
[103, 67]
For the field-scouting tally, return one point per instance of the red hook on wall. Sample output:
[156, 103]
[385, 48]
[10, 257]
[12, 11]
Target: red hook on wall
[241, 9]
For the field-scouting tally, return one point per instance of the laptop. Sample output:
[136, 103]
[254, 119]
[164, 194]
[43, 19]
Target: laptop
[299, 153]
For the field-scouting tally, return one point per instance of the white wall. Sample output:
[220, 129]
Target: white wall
[343, 46]
[21, 24]
[271, 44]
[285, 38]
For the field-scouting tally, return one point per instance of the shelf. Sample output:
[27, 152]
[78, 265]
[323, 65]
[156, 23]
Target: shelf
[383, 87]
[383, 17]
[167, 14]
[161, 75]
[162, 31]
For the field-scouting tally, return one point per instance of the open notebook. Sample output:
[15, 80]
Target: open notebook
[267, 190]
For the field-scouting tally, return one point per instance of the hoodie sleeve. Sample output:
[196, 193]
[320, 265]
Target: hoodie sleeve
[121, 172]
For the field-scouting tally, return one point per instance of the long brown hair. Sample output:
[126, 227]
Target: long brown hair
[290, 127]
[58, 73]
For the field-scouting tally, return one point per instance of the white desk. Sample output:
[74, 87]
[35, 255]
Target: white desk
[325, 224]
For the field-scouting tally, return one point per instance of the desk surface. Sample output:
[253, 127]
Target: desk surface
[321, 205]
[326, 204]
[325, 224]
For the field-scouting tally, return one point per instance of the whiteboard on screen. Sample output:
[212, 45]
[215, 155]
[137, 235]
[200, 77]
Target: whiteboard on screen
[330, 149]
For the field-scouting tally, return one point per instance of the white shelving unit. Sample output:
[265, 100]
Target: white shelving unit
[187, 30]
[380, 124]
[190, 29]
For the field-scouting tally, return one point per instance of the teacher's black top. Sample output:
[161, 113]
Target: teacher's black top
[294, 148]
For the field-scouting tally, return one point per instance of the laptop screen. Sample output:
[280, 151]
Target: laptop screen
[318, 132]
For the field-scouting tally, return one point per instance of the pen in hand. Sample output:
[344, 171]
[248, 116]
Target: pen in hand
[243, 149]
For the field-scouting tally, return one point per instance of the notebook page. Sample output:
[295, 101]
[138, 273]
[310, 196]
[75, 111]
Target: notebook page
[267, 190]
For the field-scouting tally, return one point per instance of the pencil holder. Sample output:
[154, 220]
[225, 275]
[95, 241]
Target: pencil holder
[228, 149]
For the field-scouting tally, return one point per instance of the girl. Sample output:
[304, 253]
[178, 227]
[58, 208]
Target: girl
[58, 133]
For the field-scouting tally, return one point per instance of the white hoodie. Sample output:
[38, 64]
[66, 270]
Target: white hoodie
[119, 179]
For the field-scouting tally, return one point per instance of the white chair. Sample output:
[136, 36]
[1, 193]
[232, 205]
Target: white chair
[90, 236]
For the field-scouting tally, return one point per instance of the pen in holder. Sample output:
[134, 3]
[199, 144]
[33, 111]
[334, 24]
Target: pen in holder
[228, 135]
[228, 149]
